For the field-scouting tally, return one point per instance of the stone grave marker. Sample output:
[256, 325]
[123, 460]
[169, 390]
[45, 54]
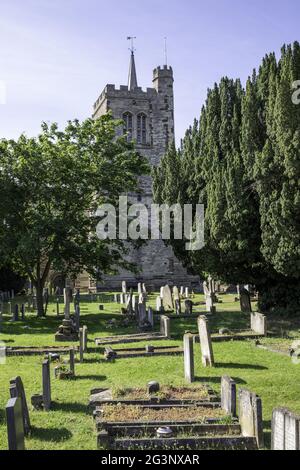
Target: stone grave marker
[178, 307]
[259, 323]
[167, 298]
[16, 313]
[188, 348]
[159, 305]
[245, 301]
[81, 345]
[16, 390]
[124, 287]
[165, 326]
[228, 395]
[210, 309]
[15, 426]
[142, 312]
[140, 288]
[285, 430]
[150, 317]
[205, 342]
[181, 291]
[46, 385]
[85, 338]
[250, 416]
[188, 307]
[176, 293]
[72, 361]
[187, 292]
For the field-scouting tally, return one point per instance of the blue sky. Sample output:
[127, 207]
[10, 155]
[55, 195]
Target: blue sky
[56, 56]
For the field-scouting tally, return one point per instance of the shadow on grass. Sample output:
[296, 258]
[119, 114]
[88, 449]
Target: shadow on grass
[231, 365]
[267, 425]
[217, 380]
[51, 434]
[99, 378]
[70, 407]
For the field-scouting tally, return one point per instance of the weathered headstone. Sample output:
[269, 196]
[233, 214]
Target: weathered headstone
[46, 385]
[188, 307]
[175, 293]
[188, 348]
[187, 292]
[205, 342]
[228, 395]
[140, 288]
[178, 307]
[15, 426]
[124, 287]
[285, 430]
[181, 291]
[72, 361]
[159, 305]
[245, 301]
[167, 298]
[259, 323]
[142, 313]
[85, 338]
[206, 289]
[210, 309]
[165, 326]
[250, 416]
[81, 345]
[16, 313]
[150, 317]
[16, 390]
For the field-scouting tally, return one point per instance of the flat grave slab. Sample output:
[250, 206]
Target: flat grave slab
[135, 338]
[113, 353]
[37, 351]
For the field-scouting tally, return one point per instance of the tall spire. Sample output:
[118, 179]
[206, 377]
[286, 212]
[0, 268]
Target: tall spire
[132, 78]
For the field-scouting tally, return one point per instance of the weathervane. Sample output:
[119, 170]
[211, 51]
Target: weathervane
[131, 38]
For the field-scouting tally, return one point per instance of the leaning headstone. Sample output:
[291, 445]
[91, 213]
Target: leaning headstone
[167, 298]
[228, 396]
[165, 326]
[250, 416]
[15, 426]
[46, 385]
[245, 301]
[188, 307]
[205, 342]
[188, 348]
[16, 390]
[259, 323]
[285, 430]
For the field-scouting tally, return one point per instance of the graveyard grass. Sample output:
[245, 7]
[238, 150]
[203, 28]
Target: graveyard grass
[69, 424]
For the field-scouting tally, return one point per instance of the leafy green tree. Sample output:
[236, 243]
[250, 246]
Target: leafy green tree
[50, 188]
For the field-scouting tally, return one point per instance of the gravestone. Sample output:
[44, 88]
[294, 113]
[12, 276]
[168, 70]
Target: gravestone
[81, 345]
[188, 307]
[250, 416]
[142, 313]
[22, 310]
[178, 307]
[188, 349]
[77, 317]
[124, 287]
[150, 317]
[46, 385]
[167, 298]
[129, 306]
[159, 305]
[228, 395]
[144, 289]
[259, 323]
[210, 309]
[165, 326]
[16, 313]
[176, 293]
[140, 288]
[9, 310]
[205, 342]
[285, 430]
[206, 289]
[85, 338]
[15, 426]
[16, 390]
[181, 291]
[245, 301]
[187, 292]
[153, 387]
[72, 361]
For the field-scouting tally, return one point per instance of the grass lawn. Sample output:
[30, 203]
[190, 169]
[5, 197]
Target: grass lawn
[69, 424]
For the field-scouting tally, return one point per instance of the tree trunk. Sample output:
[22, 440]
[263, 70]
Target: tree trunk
[40, 300]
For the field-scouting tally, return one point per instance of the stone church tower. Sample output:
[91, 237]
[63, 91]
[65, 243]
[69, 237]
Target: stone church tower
[149, 120]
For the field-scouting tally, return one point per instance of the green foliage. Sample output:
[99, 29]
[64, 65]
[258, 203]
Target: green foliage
[242, 161]
[50, 188]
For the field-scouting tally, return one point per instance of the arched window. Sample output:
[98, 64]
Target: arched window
[141, 129]
[128, 125]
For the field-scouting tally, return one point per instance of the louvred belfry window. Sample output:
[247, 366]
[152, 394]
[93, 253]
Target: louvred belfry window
[142, 129]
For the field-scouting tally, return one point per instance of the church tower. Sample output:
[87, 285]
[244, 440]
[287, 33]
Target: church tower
[148, 118]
